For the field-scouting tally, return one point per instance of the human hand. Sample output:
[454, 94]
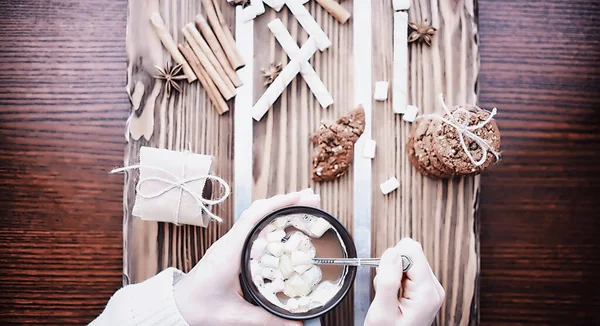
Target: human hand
[421, 296]
[210, 294]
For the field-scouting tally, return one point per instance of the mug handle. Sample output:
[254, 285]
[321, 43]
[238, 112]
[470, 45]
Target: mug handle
[312, 322]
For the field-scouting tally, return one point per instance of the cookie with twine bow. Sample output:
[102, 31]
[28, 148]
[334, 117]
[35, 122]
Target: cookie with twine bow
[172, 187]
[463, 141]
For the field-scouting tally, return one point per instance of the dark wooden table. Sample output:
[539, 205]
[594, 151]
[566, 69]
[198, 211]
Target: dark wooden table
[62, 112]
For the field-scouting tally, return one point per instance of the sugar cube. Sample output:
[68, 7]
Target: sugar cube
[369, 148]
[381, 91]
[411, 113]
[401, 4]
[389, 186]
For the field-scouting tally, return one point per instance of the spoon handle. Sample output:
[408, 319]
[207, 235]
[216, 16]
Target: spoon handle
[369, 262]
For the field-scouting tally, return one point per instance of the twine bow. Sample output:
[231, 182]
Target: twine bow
[464, 130]
[182, 184]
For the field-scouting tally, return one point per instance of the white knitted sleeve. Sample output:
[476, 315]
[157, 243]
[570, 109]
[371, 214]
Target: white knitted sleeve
[148, 303]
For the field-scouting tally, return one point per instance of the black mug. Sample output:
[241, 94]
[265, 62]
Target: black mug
[251, 293]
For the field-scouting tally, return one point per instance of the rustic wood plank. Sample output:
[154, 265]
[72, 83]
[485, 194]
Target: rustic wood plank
[439, 214]
[62, 111]
[282, 150]
[186, 121]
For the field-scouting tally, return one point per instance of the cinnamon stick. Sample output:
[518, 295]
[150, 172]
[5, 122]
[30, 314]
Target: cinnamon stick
[200, 53]
[228, 34]
[228, 74]
[209, 86]
[231, 52]
[168, 42]
[336, 10]
[227, 92]
[231, 40]
[225, 26]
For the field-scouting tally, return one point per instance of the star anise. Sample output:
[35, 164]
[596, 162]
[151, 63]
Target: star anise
[243, 3]
[271, 73]
[170, 75]
[421, 33]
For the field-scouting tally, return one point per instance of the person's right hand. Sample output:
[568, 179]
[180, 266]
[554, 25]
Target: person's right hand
[421, 294]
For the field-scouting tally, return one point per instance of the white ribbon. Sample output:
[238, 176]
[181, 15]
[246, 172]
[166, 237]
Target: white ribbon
[463, 129]
[182, 185]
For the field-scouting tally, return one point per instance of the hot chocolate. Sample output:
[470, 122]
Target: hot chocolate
[281, 262]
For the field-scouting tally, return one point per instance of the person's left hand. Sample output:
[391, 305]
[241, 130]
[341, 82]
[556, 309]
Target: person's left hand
[210, 294]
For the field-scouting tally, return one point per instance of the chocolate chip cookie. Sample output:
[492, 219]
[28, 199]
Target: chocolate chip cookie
[334, 145]
[423, 152]
[449, 151]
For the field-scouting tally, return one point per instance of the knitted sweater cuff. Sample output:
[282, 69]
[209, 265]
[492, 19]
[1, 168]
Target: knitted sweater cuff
[151, 302]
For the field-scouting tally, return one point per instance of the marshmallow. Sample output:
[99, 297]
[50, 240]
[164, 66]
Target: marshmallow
[293, 242]
[268, 273]
[304, 302]
[300, 269]
[301, 258]
[280, 222]
[285, 266]
[318, 227]
[275, 248]
[258, 248]
[268, 261]
[312, 277]
[258, 280]
[292, 304]
[305, 245]
[276, 286]
[254, 267]
[275, 236]
[295, 286]
[266, 230]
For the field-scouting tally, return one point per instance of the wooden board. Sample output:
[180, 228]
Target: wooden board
[282, 150]
[439, 214]
[61, 214]
[185, 121]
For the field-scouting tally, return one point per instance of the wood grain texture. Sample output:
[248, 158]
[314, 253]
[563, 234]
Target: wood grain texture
[62, 113]
[540, 251]
[282, 150]
[185, 121]
[439, 214]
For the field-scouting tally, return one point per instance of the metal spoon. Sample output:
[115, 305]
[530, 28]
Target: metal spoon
[369, 262]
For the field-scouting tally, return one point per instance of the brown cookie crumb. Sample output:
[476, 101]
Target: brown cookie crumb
[334, 145]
